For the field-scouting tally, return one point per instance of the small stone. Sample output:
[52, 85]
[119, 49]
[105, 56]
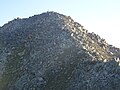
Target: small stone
[71, 34]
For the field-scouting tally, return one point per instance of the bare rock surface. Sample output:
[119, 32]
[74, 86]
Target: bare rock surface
[51, 51]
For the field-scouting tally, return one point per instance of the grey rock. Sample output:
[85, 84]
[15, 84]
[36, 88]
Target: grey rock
[52, 52]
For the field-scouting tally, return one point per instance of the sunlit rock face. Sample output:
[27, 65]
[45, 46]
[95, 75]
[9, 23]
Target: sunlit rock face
[51, 51]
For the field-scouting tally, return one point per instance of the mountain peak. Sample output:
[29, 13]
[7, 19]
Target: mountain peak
[51, 51]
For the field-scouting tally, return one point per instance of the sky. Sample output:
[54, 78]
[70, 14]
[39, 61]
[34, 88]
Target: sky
[99, 16]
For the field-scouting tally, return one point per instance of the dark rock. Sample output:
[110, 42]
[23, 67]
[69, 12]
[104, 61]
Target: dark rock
[52, 52]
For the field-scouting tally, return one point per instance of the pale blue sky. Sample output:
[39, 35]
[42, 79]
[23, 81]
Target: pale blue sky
[99, 16]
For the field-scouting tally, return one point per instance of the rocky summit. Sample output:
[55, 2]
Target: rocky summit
[51, 51]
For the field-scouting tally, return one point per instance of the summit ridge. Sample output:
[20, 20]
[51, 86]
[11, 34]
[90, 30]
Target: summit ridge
[51, 51]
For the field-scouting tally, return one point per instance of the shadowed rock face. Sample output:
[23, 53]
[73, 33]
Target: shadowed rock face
[52, 52]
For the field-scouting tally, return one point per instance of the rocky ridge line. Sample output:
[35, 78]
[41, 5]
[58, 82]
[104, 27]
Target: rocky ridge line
[51, 51]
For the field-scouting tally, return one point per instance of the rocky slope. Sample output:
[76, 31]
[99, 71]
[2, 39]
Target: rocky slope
[51, 51]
